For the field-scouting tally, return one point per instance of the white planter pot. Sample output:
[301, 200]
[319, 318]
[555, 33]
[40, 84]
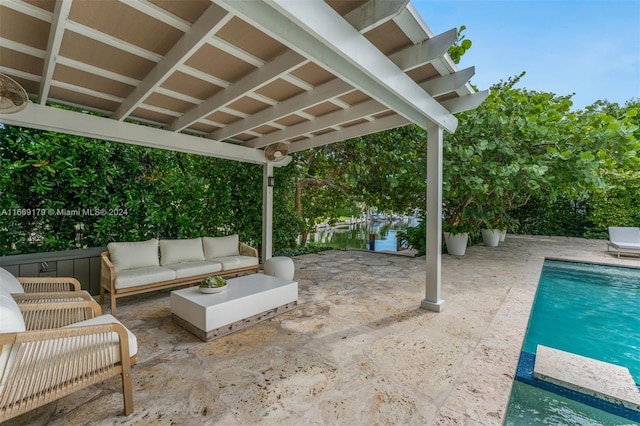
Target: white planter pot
[456, 243]
[491, 237]
[503, 235]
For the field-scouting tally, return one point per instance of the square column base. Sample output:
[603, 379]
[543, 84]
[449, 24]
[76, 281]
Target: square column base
[432, 306]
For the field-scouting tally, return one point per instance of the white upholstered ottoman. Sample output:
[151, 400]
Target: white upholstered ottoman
[280, 266]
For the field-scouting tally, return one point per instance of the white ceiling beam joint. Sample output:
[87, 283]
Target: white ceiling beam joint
[72, 63]
[386, 123]
[206, 25]
[374, 13]
[465, 103]
[20, 74]
[22, 48]
[112, 41]
[319, 123]
[29, 10]
[159, 13]
[236, 52]
[425, 52]
[56, 31]
[321, 93]
[252, 81]
[448, 83]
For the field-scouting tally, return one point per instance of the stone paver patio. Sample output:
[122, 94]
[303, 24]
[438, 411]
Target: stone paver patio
[357, 350]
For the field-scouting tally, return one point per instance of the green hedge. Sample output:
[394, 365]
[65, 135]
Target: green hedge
[61, 192]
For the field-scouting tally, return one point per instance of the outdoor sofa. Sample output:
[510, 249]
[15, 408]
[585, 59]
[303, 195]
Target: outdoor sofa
[624, 239]
[138, 267]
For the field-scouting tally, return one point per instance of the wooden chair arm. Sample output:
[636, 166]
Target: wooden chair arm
[47, 315]
[247, 250]
[49, 284]
[58, 296]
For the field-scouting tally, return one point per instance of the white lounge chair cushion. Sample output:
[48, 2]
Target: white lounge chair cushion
[141, 276]
[11, 320]
[195, 268]
[216, 247]
[180, 251]
[133, 255]
[235, 262]
[10, 282]
[110, 319]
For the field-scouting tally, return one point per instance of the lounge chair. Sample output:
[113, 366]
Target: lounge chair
[624, 239]
[50, 350]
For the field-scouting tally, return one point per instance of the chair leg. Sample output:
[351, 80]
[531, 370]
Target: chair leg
[127, 392]
[113, 304]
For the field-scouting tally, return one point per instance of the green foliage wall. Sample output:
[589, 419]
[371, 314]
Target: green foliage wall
[60, 192]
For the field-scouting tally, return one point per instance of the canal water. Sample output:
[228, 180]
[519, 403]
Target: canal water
[357, 235]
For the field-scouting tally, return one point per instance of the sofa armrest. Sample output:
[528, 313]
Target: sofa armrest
[49, 284]
[46, 315]
[247, 250]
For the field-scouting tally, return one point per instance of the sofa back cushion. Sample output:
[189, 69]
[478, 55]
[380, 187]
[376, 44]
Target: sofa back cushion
[9, 282]
[181, 251]
[215, 247]
[139, 254]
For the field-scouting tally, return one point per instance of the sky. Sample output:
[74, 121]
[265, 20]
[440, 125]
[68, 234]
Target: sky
[587, 47]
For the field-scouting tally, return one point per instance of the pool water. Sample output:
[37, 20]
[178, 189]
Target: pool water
[587, 309]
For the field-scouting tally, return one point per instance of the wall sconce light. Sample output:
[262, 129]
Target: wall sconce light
[271, 181]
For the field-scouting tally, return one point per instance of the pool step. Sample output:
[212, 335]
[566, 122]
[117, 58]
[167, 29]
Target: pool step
[588, 376]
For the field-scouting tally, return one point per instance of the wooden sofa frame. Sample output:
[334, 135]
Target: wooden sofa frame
[108, 277]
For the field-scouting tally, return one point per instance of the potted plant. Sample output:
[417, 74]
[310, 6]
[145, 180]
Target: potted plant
[458, 226]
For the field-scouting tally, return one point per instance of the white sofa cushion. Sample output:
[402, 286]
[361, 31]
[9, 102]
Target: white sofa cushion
[215, 247]
[133, 255]
[11, 320]
[180, 251]
[141, 276]
[190, 269]
[10, 282]
[110, 319]
[235, 262]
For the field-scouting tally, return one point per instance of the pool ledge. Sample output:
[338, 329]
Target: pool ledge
[599, 379]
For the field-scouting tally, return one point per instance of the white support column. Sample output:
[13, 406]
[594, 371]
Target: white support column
[432, 300]
[267, 212]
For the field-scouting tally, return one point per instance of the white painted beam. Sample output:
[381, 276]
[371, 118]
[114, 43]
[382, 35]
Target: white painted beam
[75, 123]
[465, 103]
[374, 13]
[448, 83]
[56, 31]
[206, 25]
[297, 103]
[424, 52]
[254, 80]
[332, 119]
[386, 123]
[317, 31]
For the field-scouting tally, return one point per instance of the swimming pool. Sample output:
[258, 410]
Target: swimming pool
[586, 309]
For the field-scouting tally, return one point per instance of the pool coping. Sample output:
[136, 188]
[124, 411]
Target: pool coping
[525, 374]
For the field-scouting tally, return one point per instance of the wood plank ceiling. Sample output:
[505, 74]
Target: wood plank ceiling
[245, 74]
